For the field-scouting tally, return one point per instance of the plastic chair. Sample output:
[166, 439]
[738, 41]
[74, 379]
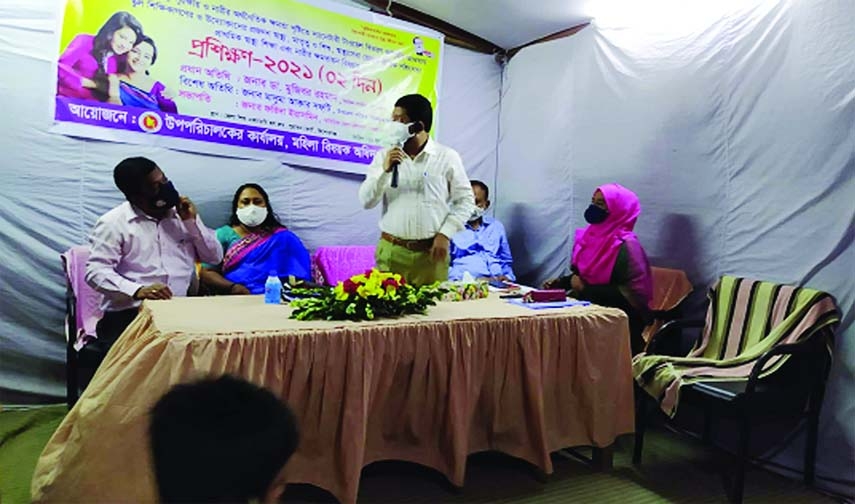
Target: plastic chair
[331, 265]
[82, 312]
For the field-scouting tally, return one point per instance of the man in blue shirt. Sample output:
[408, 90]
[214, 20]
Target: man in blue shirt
[482, 247]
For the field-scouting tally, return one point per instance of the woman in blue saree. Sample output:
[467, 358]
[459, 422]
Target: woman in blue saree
[254, 243]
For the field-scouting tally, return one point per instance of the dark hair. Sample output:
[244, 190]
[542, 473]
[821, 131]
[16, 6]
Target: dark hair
[219, 440]
[101, 45]
[271, 222]
[130, 174]
[483, 186]
[418, 109]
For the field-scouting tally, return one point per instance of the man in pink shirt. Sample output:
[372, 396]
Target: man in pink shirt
[145, 248]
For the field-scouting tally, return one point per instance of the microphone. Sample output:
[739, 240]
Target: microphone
[413, 129]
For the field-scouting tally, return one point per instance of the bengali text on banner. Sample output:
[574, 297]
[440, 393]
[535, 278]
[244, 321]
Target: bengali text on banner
[312, 84]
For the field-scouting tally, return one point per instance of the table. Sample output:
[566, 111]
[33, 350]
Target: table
[431, 389]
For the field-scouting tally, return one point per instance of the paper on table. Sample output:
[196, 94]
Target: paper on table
[552, 304]
[515, 288]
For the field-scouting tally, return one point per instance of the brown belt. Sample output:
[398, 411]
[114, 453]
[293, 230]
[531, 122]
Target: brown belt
[412, 245]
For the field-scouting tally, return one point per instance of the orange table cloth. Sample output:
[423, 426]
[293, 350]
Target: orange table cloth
[431, 389]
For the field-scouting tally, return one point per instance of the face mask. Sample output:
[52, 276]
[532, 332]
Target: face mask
[595, 214]
[251, 215]
[398, 133]
[477, 214]
[166, 197]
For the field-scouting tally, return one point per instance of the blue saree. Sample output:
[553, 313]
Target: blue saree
[249, 260]
[153, 99]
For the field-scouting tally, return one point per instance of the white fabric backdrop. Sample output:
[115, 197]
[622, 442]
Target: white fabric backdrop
[737, 131]
[52, 188]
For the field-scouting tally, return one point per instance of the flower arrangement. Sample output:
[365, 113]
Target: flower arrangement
[464, 291]
[366, 296]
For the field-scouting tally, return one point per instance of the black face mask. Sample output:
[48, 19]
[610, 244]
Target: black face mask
[595, 214]
[166, 197]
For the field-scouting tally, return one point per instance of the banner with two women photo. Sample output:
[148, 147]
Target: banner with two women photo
[312, 84]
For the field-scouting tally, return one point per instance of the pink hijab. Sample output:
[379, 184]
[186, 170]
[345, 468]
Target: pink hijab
[596, 247]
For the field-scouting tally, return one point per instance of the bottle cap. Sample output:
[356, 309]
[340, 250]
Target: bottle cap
[273, 273]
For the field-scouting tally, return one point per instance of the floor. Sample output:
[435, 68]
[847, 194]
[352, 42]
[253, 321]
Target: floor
[676, 469]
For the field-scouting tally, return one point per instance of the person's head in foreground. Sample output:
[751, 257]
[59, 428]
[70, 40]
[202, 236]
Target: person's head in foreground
[221, 440]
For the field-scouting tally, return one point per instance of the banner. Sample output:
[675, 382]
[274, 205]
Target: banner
[310, 85]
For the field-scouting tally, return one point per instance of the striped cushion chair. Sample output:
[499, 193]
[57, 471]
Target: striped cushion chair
[763, 351]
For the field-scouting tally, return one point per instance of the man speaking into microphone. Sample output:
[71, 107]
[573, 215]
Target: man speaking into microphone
[426, 196]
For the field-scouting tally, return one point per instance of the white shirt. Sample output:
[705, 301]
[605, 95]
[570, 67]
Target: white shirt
[130, 249]
[433, 194]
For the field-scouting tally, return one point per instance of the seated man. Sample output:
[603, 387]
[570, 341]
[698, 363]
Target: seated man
[145, 248]
[221, 440]
[481, 248]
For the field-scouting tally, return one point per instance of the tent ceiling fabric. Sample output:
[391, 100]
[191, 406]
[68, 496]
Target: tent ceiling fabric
[519, 23]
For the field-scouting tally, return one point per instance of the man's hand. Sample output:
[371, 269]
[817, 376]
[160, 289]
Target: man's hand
[186, 209]
[238, 290]
[576, 283]
[395, 155]
[439, 249]
[154, 291]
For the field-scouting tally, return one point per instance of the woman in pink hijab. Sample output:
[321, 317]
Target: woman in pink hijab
[609, 266]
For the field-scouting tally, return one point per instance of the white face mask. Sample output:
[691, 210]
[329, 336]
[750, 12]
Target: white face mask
[251, 215]
[477, 214]
[397, 133]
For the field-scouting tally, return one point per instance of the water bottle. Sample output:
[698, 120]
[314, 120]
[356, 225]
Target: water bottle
[273, 289]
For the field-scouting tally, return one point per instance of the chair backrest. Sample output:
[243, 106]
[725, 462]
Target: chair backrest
[748, 317]
[87, 301]
[670, 288]
[336, 264]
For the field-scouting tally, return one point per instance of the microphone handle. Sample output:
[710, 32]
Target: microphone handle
[400, 145]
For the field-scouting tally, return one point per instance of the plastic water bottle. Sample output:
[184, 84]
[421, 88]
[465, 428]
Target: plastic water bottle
[273, 289]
